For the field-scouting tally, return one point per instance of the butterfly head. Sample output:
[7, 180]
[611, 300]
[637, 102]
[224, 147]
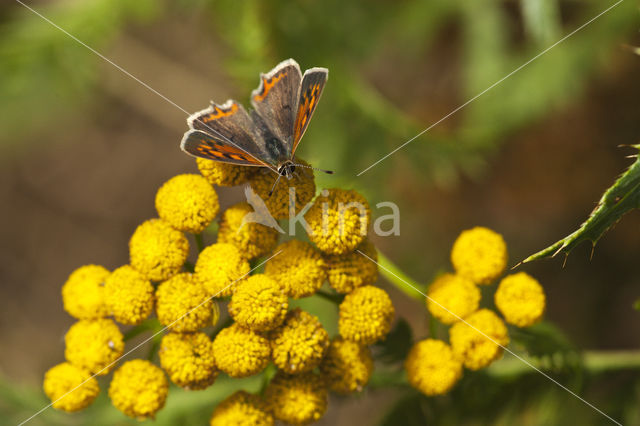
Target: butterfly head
[286, 169]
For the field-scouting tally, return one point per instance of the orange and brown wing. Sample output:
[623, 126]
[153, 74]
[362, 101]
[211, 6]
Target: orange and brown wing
[312, 84]
[200, 144]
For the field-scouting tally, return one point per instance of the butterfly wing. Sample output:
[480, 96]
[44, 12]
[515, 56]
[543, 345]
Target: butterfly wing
[312, 84]
[276, 99]
[224, 133]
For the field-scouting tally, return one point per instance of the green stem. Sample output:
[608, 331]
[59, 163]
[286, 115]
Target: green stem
[188, 266]
[332, 297]
[199, 242]
[398, 278]
[146, 325]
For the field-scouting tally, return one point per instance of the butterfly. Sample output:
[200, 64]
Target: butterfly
[266, 136]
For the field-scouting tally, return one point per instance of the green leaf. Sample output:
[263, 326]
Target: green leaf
[397, 344]
[619, 199]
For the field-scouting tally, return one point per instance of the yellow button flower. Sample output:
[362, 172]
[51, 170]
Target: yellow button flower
[479, 254]
[366, 315]
[347, 366]
[241, 409]
[240, 352]
[299, 268]
[432, 368]
[470, 342]
[302, 186]
[349, 271]
[139, 389]
[521, 299]
[252, 239]
[338, 220]
[128, 295]
[157, 250]
[298, 399]
[70, 388]
[452, 297]
[182, 304]
[220, 268]
[94, 345]
[223, 174]
[83, 293]
[259, 303]
[188, 360]
[187, 202]
[300, 343]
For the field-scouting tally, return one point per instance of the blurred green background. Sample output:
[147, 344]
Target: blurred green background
[83, 148]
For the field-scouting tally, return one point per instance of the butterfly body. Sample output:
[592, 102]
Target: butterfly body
[268, 135]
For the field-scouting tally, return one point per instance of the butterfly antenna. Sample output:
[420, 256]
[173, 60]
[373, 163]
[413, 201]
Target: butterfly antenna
[274, 184]
[329, 172]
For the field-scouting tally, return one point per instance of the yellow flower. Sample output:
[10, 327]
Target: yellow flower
[349, 271]
[477, 344]
[220, 268]
[157, 250]
[299, 268]
[300, 343]
[187, 202]
[70, 388]
[451, 297]
[479, 254]
[347, 366]
[128, 295]
[223, 174]
[432, 368]
[338, 220]
[521, 299]
[188, 360]
[139, 389]
[301, 185]
[240, 352]
[259, 303]
[182, 304]
[241, 409]
[298, 399]
[82, 294]
[94, 345]
[252, 239]
[366, 315]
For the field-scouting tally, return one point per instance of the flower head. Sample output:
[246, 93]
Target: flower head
[139, 389]
[521, 299]
[157, 250]
[252, 239]
[302, 186]
[300, 343]
[240, 352]
[477, 340]
[83, 293]
[223, 174]
[182, 304]
[338, 220]
[220, 268]
[432, 367]
[451, 297]
[366, 315]
[299, 399]
[128, 295]
[347, 366]
[70, 388]
[479, 254]
[94, 345]
[299, 268]
[187, 202]
[188, 359]
[242, 409]
[259, 303]
[349, 271]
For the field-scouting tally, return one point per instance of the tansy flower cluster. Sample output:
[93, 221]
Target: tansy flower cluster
[229, 311]
[476, 335]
